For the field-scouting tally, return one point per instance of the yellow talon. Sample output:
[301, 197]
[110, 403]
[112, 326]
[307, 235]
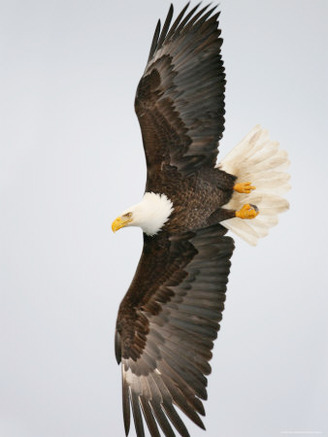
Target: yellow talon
[247, 212]
[244, 187]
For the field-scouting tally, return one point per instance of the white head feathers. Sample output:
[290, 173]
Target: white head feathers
[151, 213]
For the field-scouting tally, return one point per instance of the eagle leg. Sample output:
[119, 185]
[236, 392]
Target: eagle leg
[248, 211]
[244, 187]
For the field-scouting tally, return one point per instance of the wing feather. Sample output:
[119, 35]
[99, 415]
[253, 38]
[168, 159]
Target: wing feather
[149, 417]
[154, 40]
[166, 326]
[180, 97]
[136, 411]
[126, 403]
[165, 27]
[178, 21]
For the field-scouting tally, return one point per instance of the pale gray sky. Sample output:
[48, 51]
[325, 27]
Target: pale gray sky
[72, 159]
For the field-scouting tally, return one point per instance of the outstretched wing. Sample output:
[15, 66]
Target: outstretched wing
[180, 98]
[166, 326]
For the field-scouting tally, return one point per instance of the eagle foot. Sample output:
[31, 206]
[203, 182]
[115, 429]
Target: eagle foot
[248, 211]
[244, 187]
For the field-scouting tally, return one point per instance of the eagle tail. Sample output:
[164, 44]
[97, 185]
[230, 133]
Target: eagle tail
[258, 160]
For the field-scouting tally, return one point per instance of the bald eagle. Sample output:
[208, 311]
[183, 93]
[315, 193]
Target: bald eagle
[169, 317]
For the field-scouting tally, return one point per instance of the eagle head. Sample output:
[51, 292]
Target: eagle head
[150, 214]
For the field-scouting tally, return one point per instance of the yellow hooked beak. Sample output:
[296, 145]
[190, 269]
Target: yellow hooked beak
[121, 221]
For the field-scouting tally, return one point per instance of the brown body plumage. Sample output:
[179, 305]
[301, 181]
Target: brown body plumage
[204, 194]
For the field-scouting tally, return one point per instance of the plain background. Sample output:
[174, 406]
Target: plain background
[72, 159]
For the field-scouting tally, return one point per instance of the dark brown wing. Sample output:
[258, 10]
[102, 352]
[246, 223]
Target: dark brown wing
[166, 326]
[180, 97]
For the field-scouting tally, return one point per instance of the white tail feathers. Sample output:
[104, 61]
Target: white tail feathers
[258, 160]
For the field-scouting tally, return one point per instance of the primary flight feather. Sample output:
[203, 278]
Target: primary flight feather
[170, 316]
